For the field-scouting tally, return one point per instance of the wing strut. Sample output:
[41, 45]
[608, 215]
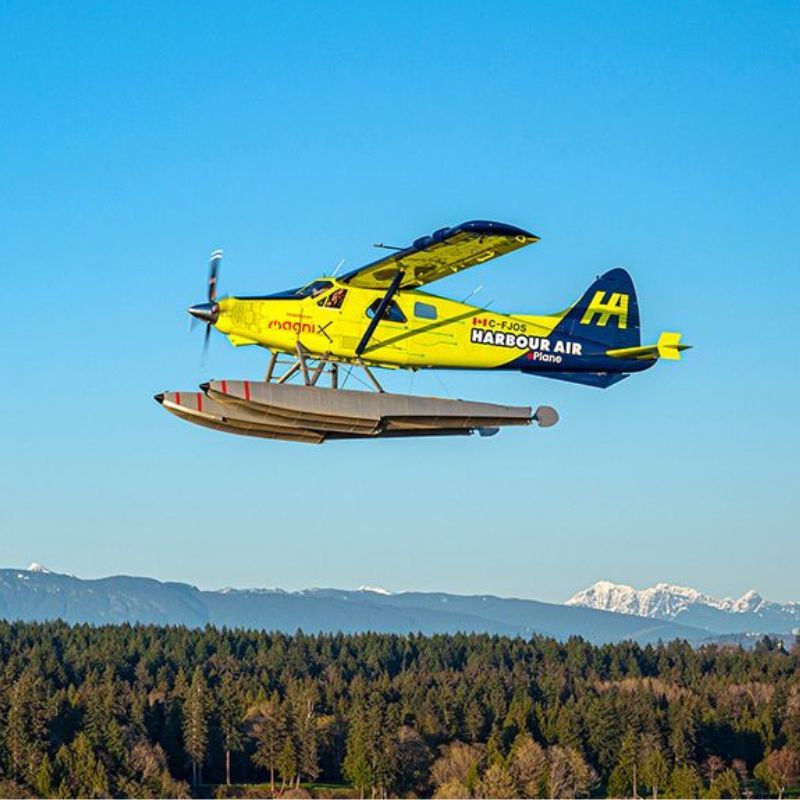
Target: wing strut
[381, 310]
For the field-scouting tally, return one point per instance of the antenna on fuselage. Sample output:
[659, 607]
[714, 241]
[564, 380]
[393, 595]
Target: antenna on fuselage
[338, 267]
[472, 293]
[387, 246]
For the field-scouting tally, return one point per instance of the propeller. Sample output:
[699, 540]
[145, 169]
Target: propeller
[213, 271]
[209, 312]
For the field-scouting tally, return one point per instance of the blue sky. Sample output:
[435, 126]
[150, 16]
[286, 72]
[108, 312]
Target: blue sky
[664, 137]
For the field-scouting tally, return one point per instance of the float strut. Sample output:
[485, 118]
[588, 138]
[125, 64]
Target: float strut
[318, 370]
[301, 358]
[273, 360]
[289, 372]
[378, 387]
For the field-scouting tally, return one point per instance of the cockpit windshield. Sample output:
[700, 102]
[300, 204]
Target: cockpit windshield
[313, 289]
[309, 290]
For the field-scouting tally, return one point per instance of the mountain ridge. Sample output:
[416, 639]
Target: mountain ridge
[604, 612]
[41, 594]
[669, 602]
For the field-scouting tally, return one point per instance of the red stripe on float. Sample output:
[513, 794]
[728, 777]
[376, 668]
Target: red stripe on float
[224, 387]
[247, 390]
[177, 398]
[199, 401]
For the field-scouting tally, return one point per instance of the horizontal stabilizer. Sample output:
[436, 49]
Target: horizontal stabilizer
[668, 346]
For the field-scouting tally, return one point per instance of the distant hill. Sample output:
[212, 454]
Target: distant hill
[605, 612]
[37, 594]
[749, 613]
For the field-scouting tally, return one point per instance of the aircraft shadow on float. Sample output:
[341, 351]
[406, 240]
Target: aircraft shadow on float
[377, 316]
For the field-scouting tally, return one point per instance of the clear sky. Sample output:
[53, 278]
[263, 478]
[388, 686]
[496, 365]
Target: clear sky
[665, 137]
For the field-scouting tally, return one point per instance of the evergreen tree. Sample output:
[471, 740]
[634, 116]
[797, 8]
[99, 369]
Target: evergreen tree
[685, 781]
[725, 784]
[307, 738]
[474, 720]
[654, 771]
[269, 731]
[195, 724]
[82, 773]
[683, 733]
[603, 737]
[97, 712]
[26, 722]
[287, 762]
[494, 748]
[624, 778]
[43, 778]
[358, 767]
[387, 760]
[231, 710]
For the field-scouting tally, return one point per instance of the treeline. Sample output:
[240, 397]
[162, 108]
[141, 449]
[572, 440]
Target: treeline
[145, 711]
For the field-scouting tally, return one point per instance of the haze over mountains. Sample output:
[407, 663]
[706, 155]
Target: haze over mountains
[599, 614]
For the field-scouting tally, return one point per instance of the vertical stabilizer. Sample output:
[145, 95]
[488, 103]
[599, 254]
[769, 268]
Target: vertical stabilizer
[608, 312]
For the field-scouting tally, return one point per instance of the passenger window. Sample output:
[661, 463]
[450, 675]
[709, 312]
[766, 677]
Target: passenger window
[424, 311]
[392, 313]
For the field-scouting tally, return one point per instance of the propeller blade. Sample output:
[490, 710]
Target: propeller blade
[208, 312]
[213, 270]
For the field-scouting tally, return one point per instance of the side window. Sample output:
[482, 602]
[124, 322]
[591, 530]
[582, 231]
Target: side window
[424, 311]
[334, 299]
[392, 314]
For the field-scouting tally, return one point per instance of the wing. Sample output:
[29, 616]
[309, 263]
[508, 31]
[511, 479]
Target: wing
[443, 253]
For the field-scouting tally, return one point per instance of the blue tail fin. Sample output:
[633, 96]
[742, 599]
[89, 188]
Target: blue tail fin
[608, 312]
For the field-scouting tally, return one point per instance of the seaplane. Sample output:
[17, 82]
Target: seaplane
[380, 317]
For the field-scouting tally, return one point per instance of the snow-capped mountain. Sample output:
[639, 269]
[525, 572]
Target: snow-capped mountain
[750, 612]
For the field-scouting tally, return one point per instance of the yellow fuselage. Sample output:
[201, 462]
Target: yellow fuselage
[421, 330]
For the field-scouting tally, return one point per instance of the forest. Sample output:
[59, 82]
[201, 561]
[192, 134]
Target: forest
[148, 711]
